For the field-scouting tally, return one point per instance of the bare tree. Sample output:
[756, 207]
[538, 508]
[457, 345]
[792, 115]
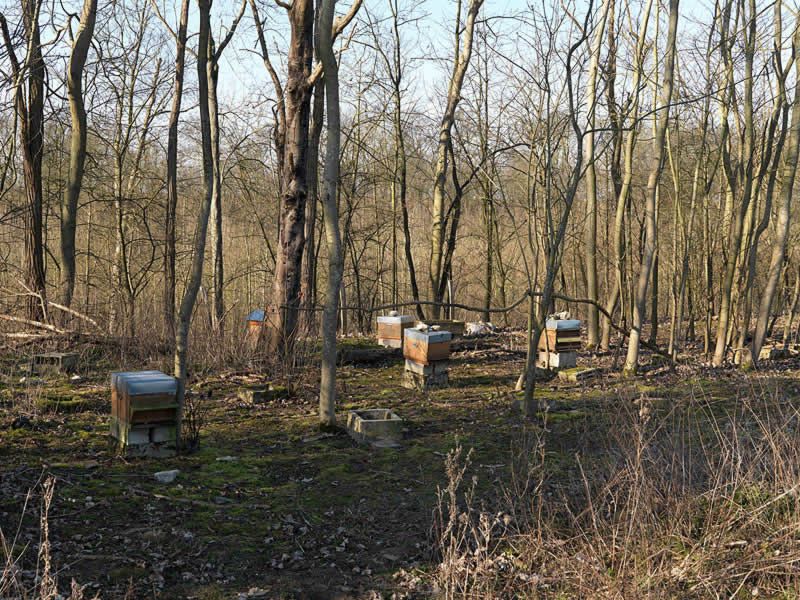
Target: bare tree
[462, 53]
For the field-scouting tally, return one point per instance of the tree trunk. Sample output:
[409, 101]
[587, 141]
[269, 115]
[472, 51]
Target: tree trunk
[590, 240]
[196, 273]
[172, 174]
[327, 396]
[291, 235]
[438, 228]
[784, 215]
[656, 167]
[77, 149]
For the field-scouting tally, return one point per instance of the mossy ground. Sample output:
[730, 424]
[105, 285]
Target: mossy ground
[288, 508]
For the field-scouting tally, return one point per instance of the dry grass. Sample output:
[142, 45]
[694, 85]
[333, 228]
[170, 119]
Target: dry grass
[18, 583]
[685, 502]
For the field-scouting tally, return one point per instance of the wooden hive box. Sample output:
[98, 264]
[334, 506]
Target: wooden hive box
[256, 323]
[390, 329]
[561, 335]
[425, 347]
[144, 412]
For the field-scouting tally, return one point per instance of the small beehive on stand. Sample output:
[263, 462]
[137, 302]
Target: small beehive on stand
[390, 329]
[427, 354]
[54, 362]
[255, 323]
[559, 343]
[145, 413]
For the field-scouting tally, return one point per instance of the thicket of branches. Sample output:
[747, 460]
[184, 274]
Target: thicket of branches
[638, 155]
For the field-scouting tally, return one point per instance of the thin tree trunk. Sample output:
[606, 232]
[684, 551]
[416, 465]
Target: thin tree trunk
[196, 273]
[784, 214]
[77, 149]
[657, 165]
[438, 228]
[590, 239]
[172, 174]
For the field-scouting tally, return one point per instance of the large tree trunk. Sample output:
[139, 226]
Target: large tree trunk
[30, 114]
[77, 149]
[291, 236]
[172, 174]
[657, 165]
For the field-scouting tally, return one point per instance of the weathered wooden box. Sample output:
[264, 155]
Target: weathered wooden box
[425, 347]
[390, 329]
[54, 362]
[144, 412]
[377, 426]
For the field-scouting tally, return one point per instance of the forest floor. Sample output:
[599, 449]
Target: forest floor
[270, 507]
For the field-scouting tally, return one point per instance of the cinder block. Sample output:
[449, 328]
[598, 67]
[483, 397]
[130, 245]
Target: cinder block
[558, 360]
[432, 368]
[417, 381]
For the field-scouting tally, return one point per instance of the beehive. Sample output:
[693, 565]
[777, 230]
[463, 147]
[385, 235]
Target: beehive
[563, 335]
[255, 322]
[144, 412]
[390, 330]
[425, 347]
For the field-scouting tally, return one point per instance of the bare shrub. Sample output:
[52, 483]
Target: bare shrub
[689, 501]
[195, 414]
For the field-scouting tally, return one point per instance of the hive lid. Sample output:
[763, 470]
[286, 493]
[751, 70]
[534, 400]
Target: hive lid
[394, 320]
[563, 324]
[143, 383]
[256, 315]
[430, 336]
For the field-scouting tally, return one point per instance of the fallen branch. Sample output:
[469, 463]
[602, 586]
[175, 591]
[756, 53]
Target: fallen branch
[37, 324]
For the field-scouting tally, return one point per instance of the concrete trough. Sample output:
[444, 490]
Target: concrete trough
[379, 427]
